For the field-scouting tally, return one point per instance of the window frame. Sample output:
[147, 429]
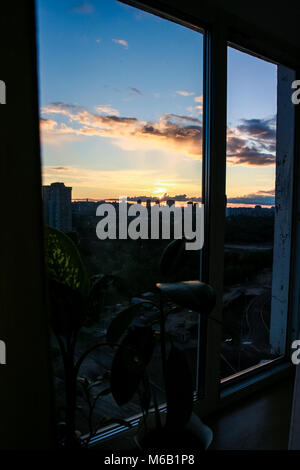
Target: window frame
[256, 377]
[220, 32]
[218, 35]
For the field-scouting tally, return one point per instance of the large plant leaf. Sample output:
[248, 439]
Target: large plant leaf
[173, 258]
[145, 393]
[100, 284]
[122, 321]
[194, 295]
[64, 263]
[179, 390]
[130, 362]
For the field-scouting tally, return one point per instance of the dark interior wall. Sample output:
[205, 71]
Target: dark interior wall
[271, 28]
[25, 392]
[275, 18]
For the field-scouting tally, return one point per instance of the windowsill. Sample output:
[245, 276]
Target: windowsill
[259, 422]
[254, 381]
[257, 412]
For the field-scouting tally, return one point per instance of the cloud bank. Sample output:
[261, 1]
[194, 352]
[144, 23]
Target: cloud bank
[251, 143]
[170, 132]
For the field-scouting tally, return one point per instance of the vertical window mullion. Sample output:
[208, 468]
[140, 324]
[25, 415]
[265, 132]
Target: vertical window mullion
[214, 160]
[283, 214]
[293, 329]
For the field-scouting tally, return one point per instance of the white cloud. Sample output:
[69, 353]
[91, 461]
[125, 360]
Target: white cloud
[198, 99]
[107, 109]
[250, 143]
[185, 93]
[122, 42]
[84, 9]
[194, 109]
[171, 132]
[197, 109]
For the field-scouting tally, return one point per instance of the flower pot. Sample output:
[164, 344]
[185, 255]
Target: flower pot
[195, 436]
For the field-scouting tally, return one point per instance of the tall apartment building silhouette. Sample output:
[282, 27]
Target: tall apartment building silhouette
[58, 206]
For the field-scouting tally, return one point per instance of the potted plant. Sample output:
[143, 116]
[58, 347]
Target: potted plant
[178, 427]
[75, 302]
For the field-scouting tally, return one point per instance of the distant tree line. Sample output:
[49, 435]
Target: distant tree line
[247, 229]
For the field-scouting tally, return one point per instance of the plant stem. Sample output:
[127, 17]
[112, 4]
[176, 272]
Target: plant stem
[163, 343]
[86, 353]
[71, 391]
[67, 352]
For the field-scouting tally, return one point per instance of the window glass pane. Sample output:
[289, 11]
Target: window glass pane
[121, 116]
[254, 328]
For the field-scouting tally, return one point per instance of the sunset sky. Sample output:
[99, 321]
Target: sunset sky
[121, 106]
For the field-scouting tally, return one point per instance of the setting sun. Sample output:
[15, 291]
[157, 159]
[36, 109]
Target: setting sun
[160, 192]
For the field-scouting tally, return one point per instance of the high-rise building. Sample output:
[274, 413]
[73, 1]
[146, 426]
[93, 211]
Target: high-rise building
[58, 206]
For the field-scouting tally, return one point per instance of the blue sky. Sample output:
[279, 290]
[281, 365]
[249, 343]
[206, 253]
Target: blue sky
[121, 104]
